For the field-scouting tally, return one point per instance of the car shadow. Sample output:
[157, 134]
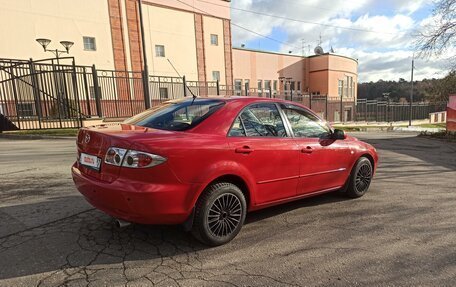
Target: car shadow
[89, 238]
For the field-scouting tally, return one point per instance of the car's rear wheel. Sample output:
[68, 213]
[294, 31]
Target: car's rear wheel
[219, 214]
[360, 178]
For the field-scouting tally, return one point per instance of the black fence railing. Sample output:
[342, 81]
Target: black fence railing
[45, 94]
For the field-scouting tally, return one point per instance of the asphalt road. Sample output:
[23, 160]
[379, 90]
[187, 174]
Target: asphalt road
[402, 232]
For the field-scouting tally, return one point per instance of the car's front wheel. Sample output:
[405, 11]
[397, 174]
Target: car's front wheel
[219, 214]
[360, 178]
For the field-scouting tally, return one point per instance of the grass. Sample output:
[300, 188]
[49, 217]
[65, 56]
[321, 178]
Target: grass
[46, 132]
[435, 126]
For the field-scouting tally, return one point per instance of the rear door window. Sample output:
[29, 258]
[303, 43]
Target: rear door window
[259, 120]
[177, 116]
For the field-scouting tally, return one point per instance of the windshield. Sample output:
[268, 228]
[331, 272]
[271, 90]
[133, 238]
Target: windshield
[176, 116]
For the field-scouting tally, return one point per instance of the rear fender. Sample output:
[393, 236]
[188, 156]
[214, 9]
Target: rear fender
[217, 170]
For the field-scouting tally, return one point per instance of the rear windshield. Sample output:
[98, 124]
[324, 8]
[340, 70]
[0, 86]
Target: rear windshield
[176, 116]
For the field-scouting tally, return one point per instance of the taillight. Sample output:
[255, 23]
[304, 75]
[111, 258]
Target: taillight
[139, 159]
[115, 156]
[132, 158]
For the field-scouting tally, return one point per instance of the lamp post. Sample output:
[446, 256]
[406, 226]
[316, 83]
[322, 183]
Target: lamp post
[66, 44]
[411, 92]
[386, 96]
[291, 88]
[63, 107]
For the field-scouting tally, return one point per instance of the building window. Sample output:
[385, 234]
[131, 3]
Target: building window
[292, 85]
[159, 51]
[247, 84]
[215, 75]
[267, 85]
[299, 86]
[340, 89]
[163, 93]
[352, 87]
[238, 87]
[275, 85]
[92, 92]
[260, 85]
[25, 109]
[347, 88]
[89, 43]
[214, 39]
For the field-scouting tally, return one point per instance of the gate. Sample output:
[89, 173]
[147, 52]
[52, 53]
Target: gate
[38, 95]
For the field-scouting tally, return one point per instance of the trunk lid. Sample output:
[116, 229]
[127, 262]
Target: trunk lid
[96, 140]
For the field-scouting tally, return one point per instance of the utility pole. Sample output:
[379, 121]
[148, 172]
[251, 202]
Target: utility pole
[145, 68]
[411, 93]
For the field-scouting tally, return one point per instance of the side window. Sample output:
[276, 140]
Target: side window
[259, 120]
[237, 130]
[304, 124]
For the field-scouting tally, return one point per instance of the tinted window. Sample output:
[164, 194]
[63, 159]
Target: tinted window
[305, 124]
[176, 116]
[259, 120]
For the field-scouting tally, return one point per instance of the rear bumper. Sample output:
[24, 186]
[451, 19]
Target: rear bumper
[137, 202]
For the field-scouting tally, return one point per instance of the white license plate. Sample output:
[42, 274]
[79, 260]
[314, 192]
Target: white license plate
[90, 161]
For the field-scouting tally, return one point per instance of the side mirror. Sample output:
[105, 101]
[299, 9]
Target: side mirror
[339, 135]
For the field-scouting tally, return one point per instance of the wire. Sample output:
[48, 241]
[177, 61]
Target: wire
[299, 20]
[241, 27]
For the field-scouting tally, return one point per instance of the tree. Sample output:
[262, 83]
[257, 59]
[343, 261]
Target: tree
[439, 36]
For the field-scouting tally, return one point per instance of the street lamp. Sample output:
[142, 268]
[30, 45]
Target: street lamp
[45, 42]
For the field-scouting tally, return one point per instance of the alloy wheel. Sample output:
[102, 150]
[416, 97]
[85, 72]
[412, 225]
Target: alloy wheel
[224, 215]
[363, 178]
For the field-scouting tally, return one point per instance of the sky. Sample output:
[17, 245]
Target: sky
[380, 34]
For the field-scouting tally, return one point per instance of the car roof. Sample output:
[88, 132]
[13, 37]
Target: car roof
[245, 99]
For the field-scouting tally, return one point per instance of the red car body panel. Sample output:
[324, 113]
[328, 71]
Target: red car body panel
[276, 171]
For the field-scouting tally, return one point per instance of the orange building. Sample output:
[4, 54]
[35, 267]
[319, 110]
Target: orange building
[325, 74]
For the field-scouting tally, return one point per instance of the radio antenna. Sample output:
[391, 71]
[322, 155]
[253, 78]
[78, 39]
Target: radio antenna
[191, 92]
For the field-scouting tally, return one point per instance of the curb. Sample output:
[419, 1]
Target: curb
[35, 137]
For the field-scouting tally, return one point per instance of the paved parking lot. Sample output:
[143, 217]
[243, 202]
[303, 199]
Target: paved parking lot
[403, 232]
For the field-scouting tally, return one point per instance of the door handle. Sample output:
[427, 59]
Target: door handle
[307, 149]
[244, 150]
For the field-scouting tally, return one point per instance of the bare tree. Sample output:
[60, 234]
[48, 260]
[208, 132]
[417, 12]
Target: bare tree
[439, 36]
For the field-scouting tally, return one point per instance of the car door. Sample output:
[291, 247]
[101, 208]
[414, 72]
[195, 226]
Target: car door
[260, 143]
[324, 162]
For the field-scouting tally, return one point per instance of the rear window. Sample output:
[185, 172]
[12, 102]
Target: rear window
[176, 116]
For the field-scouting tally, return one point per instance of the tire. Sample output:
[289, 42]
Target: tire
[219, 214]
[360, 178]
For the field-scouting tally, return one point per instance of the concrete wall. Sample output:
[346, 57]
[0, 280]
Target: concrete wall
[22, 21]
[178, 37]
[257, 65]
[326, 70]
[215, 60]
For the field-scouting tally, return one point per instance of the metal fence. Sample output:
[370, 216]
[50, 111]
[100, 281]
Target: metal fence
[49, 94]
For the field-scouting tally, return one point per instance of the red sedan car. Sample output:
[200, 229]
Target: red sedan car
[206, 162]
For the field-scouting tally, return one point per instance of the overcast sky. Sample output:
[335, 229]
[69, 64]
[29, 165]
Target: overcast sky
[384, 50]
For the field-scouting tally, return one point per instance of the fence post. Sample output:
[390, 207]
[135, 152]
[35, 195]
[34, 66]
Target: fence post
[218, 88]
[16, 102]
[341, 113]
[36, 91]
[185, 86]
[310, 100]
[86, 90]
[246, 90]
[270, 92]
[96, 91]
[76, 94]
[326, 107]
[145, 76]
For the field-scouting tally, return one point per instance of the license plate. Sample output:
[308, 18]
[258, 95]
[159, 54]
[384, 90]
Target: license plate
[90, 161]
